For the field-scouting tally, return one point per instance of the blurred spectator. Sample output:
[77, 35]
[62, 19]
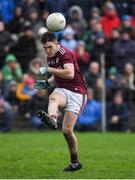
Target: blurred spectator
[25, 49]
[68, 40]
[91, 116]
[5, 42]
[115, 36]
[27, 6]
[95, 13]
[92, 75]
[133, 16]
[34, 66]
[127, 26]
[12, 69]
[118, 114]
[57, 6]
[39, 101]
[124, 51]
[12, 98]
[15, 26]
[24, 92]
[87, 34]
[6, 116]
[114, 83]
[40, 50]
[35, 21]
[77, 20]
[3, 86]
[86, 5]
[7, 10]
[129, 84]
[94, 38]
[82, 56]
[110, 19]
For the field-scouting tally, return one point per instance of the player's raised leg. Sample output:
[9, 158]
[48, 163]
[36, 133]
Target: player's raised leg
[67, 128]
[56, 100]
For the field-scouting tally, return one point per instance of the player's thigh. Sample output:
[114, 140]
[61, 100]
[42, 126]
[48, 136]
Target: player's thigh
[69, 121]
[58, 98]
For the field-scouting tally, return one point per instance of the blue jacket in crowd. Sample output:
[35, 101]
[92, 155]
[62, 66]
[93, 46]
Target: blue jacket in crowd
[91, 113]
[7, 10]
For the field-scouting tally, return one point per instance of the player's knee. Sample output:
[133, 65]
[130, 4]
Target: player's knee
[53, 99]
[67, 132]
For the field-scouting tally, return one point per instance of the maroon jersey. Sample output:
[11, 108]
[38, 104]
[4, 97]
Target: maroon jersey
[77, 84]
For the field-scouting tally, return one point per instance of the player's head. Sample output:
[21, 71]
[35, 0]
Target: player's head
[50, 44]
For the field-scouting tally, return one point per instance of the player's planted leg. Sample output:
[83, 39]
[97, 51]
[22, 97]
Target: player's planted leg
[68, 124]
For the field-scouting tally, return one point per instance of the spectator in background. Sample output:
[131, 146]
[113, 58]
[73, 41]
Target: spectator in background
[82, 56]
[57, 6]
[25, 49]
[95, 13]
[68, 40]
[92, 75]
[91, 116]
[15, 26]
[39, 101]
[114, 83]
[6, 116]
[110, 19]
[27, 6]
[35, 21]
[94, 38]
[34, 66]
[129, 84]
[99, 45]
[12, 98]
[118, 114]
[3, 86]
[7, 10]
[94, 80]
[24, 92]
[133, 17]
[5, 42]
[115, 36]
[77, 20]
[127, 26]
[124, 51]
[12, 69]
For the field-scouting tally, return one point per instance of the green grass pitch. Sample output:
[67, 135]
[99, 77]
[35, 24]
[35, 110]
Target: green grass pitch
[38, 155]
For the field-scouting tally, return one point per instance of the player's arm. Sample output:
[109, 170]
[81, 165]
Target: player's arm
[66, 73]
[44, 84]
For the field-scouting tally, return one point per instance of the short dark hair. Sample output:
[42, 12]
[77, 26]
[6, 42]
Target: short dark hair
[48, 36]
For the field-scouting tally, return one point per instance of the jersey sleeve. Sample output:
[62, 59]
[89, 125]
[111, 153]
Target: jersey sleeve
[68, 58]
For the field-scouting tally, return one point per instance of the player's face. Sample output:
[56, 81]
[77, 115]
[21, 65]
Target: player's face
[51, 48]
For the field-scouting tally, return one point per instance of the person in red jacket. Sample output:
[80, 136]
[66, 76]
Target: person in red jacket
[110, 20]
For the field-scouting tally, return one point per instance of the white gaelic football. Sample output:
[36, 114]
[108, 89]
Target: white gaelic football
[55, 22]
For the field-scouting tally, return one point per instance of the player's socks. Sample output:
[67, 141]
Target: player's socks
[51, 122]
[73, 167]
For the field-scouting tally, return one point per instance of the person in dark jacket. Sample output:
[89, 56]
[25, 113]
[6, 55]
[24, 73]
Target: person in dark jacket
[118, 114]
[25, 49]
[39, 101]
[124, 51]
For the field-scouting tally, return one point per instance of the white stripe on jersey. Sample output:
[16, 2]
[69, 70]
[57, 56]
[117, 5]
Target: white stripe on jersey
[62, 51]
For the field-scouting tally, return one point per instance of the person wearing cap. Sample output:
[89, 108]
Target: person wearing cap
[12, 69]
[127, 25]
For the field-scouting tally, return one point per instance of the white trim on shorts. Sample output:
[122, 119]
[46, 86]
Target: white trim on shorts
[75, 101]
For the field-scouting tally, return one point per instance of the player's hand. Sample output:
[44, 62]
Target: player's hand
[43, 71]
[41, 84]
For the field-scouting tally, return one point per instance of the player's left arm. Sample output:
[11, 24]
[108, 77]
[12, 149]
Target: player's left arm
[66, 73]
